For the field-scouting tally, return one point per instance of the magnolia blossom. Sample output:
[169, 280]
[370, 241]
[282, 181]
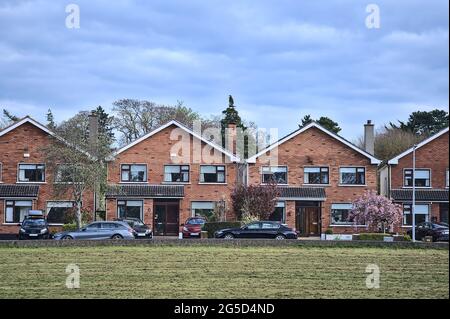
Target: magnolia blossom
[375, 211]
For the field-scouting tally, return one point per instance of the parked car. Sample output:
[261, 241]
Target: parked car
[192, 227]
[439, 232]
[264, 229]
[142, 230]
[34, 226]
[99, 230]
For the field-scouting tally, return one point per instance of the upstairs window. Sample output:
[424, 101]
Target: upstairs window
[31, 173]
[134, 173]
[176, 173]
[1, 167]
[352, 175]
[316, 175]
[422, 177]
[212, 174]
[277, 174]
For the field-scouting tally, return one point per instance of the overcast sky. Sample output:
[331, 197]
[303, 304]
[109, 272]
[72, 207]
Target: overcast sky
[279, 59]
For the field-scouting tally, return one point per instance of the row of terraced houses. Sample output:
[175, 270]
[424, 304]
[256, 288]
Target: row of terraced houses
[319, 174]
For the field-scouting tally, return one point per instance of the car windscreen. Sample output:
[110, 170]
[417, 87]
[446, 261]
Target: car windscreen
[195, 221]
[34, 223]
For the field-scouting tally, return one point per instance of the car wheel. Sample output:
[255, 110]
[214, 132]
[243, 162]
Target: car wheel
[228, 236]
[280, 237]
[117, 236]
[67, 237]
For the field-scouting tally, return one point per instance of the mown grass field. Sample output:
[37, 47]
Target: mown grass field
[223, 272]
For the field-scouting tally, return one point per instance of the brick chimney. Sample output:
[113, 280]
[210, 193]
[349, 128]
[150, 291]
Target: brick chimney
[369, 137]
[93, 133]
[231, 137]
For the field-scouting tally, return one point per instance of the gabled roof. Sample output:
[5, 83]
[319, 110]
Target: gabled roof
[424, 142]
[42, 127]
[26, 119]
[232, 157]
[373, 160]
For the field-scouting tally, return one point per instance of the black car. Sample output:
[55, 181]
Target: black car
[439, 232]
[264, 230]
[142, 230]
[34, 226]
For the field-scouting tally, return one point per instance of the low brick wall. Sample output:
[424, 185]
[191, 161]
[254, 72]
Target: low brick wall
[218, 242]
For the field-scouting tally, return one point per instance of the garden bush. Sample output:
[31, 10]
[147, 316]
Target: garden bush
[212, 227]
[70, 227]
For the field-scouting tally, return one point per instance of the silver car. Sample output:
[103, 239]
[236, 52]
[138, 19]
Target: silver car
[99, 230]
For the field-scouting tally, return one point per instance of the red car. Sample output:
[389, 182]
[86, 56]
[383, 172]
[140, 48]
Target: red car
[192, 228]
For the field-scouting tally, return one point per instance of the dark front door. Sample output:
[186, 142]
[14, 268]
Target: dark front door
[308, 220]
[166, 218]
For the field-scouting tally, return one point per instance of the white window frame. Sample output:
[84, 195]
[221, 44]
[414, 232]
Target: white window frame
[56, 201]
[141, 217]
[447, 178]
[270, 168]
[216, 183]
[31, 182]
[417, 169]
[427, 216]
[181, 171]
[1, 172]
[320, 167]
[356, 171]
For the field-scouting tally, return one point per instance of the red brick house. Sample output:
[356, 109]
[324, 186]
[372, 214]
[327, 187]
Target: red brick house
[25, 182]
[432, 180]
[168, 175]
[319, 174]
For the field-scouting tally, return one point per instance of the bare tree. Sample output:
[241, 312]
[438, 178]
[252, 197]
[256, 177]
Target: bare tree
[390, 142]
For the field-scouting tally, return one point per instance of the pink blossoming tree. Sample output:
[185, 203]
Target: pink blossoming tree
[375, 211]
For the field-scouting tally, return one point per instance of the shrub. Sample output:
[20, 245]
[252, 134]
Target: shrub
[371, 236]
[211, 228]
[70, 227]
[329, 231]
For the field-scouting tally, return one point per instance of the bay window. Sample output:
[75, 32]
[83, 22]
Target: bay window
[340, 214]
[203, 209]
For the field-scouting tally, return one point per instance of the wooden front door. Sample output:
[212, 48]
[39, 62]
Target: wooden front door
[308, 221]
[166, 218]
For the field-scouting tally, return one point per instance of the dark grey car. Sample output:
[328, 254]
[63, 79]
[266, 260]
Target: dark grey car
[99, 230]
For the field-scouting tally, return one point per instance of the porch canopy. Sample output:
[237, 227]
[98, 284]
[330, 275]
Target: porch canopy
[18, 191]
[302, 193]
[422, 195]
[145, 191]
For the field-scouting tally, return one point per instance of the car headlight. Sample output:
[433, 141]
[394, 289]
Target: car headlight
[148, 231]
[445, 232]
[43, 231]
[22, 230]
[185, 229]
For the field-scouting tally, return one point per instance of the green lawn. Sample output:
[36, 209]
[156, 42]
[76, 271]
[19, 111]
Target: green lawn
[223, 272]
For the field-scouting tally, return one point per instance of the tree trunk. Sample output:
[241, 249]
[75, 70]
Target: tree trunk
[78, 215]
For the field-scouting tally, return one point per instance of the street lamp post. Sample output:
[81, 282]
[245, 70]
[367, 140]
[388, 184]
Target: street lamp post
[413, 208]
